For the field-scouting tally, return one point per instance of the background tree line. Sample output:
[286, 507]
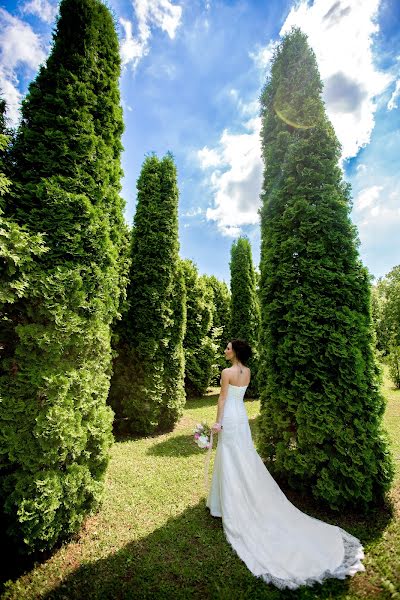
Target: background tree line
[386, 315]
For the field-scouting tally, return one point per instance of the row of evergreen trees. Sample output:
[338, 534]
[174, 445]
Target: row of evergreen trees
[175, 323]
[93, 312]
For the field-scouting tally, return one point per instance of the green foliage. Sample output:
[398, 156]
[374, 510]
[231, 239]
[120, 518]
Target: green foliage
[200, 346]
[321, 408]
[55, 424]
[386, 310]
[17, 246]
[147, 391]
[386, 318]
[245, 306]
[5, 183]
[393, 361]
[220, 323]
[174, 396]
[17, 251]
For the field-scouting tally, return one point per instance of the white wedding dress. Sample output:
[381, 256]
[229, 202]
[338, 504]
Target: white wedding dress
[276, 541]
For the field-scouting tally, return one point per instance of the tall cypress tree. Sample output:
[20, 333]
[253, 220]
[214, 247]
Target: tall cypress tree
[56, 427]
[221, 309]
[321, 408]
[245, 306]
[147, 390]
[200, 349]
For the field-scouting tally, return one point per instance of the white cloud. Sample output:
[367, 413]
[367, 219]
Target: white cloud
[379, 224]
[44, 9]
[393, 99]
[341, 34]
[262, 57]
[194, 212]
[209, 157]
[19, 43]
[367, 197]
[378, 229]
[237, 188]
[20, 47]
[375, 211]
[131, 49]
[11, 94]
[149, 13]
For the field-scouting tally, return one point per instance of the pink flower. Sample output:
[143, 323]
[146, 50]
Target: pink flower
[196, 436]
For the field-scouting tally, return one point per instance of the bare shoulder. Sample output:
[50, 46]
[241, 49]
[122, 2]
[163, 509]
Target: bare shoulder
[225, 375]
[248, 371]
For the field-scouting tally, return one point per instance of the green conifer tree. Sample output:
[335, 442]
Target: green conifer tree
[221, 314]
[245, 306]
[56, 426]
[200, 348]
[321, 408]
[147, 388]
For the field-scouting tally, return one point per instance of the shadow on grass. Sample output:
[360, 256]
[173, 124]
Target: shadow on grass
[210, 400]
[121, 433]
[183, 445]
[178, 446]
[202, 402]
[14, 563]
[188, 557]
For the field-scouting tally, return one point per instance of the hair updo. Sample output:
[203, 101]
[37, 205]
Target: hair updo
[242, 350]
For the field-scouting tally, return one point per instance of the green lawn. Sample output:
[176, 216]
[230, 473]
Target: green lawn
[154, 536]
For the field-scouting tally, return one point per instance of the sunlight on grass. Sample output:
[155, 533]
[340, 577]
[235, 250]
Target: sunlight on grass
[154, 536]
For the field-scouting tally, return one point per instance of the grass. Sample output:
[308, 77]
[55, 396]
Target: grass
[154, 537]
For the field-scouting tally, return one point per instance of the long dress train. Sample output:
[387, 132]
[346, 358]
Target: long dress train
[277, 542]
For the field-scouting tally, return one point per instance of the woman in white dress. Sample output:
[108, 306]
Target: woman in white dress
[276, 541]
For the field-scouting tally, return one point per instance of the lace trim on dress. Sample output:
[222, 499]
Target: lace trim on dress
[353, 554]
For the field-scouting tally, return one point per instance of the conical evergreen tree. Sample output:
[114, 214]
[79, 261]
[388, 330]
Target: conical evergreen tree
[245, 306]
[221, 315]
[147, 390]
[321, 409]
[200, 348]
[56, 427]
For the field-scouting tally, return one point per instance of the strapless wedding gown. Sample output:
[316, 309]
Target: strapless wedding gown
[276, 541]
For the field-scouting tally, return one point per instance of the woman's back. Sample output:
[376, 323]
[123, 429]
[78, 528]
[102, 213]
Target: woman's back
[239, 376]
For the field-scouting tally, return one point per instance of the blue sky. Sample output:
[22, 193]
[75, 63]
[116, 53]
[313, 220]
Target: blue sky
[192, 74]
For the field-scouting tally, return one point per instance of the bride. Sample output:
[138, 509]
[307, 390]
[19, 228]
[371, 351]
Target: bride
[276, 541]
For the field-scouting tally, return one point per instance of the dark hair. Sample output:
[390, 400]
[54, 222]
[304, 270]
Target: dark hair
[242, 350]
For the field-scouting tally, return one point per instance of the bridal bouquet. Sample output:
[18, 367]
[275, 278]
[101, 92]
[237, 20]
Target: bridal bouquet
[202, 433]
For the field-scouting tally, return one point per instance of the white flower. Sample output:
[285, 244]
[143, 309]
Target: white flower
[202, 441]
